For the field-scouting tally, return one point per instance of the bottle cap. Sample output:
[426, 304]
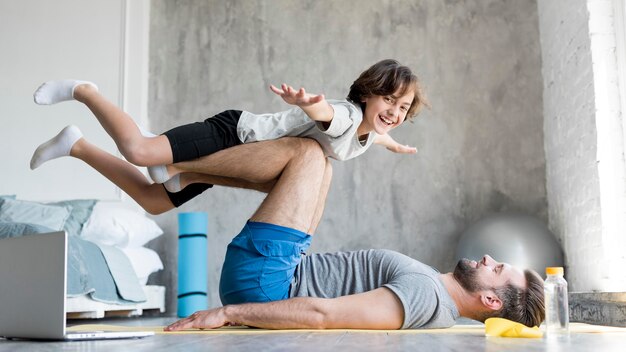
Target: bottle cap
[554, 270]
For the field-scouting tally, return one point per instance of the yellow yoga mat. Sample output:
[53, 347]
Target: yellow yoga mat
[575, 328]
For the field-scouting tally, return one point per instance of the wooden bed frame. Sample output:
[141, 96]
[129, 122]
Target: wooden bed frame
[83, 307]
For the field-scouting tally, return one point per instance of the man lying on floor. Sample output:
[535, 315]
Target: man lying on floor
[268, 282]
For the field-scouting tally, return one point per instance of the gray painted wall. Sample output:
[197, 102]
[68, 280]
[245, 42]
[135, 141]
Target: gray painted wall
[480, 147]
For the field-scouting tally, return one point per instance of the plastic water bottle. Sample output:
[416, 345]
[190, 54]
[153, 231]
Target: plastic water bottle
[557, 308]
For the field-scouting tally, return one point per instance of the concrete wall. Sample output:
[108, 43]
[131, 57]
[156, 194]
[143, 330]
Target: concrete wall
[480, 147]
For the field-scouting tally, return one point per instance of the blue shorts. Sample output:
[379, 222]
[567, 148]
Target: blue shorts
[260, 263]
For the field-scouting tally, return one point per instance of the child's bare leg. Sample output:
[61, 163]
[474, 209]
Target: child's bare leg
[135, 147]
[150, 196]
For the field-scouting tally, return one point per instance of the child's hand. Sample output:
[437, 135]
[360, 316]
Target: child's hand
[389, 143]
[293, 97]
[403, 149]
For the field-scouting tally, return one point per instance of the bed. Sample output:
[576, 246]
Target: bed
[108, 263]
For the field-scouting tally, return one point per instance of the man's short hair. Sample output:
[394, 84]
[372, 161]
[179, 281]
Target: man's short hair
[524, 306]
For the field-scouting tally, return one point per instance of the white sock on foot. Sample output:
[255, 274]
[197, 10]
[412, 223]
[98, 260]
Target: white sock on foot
[60, 145]
[53, 92]
[173, 184]
[158, 173]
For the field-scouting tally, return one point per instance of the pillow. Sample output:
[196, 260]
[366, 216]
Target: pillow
[51, 216]
[16, 229]
[115, 225]
[145, 261]
[81, 210]
[6, 196]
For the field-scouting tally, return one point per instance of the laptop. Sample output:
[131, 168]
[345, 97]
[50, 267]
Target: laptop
[33, 281]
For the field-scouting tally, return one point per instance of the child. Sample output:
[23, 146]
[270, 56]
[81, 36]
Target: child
[379, 100]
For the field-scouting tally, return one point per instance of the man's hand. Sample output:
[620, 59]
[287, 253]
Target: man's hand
[389, 143]
[300, 97]
[203, 319]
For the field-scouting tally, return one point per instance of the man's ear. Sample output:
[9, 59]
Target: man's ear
[490, 300]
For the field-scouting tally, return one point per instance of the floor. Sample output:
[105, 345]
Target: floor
[320, 341]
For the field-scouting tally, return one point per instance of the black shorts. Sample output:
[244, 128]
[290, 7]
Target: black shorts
[199, 139]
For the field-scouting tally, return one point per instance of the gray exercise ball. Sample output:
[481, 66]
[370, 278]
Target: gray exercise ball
[518, 239]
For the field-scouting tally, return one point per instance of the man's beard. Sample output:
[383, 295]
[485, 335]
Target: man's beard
[467, 276]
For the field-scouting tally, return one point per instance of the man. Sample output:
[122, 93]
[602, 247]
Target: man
[268, 282]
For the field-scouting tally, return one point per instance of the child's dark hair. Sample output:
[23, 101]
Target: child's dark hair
[385, 78]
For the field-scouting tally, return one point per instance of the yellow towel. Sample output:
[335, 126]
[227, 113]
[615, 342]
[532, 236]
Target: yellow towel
[507, 328]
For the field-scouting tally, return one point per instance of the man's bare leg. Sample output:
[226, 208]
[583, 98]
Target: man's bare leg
[321, 199]
[283, 159]
[258, 162]
[190, 178]
[150, 196]
[194, 177]
[153, 197]
[294, 200]
[136, 148]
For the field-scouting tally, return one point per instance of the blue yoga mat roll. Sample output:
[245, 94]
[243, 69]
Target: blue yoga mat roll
[192, 262]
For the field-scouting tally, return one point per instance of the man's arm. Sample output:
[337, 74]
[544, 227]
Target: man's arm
[315, 106]
[376, 309]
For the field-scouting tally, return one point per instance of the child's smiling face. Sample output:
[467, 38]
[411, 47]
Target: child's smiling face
[385, 112]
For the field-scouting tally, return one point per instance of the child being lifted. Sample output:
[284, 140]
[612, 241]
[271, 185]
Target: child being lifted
[380, 99]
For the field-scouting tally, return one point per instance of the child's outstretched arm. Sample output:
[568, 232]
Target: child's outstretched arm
[315, 106]
[389, 143]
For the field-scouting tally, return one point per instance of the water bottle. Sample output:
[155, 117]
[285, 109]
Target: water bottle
[555, 296]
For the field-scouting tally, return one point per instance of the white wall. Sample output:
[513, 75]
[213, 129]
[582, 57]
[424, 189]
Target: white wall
[43, 40]
[584, 141]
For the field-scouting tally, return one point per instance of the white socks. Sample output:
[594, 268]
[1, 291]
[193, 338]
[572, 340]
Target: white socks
[173, 184]
[159, 174]
[60, 145]
[53, 92]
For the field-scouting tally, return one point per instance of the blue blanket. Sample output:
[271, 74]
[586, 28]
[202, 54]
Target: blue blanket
[87, 268]
[88, 272]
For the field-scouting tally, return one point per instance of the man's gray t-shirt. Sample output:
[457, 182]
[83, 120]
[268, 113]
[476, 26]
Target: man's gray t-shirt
[339, 141]
[425, 300]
